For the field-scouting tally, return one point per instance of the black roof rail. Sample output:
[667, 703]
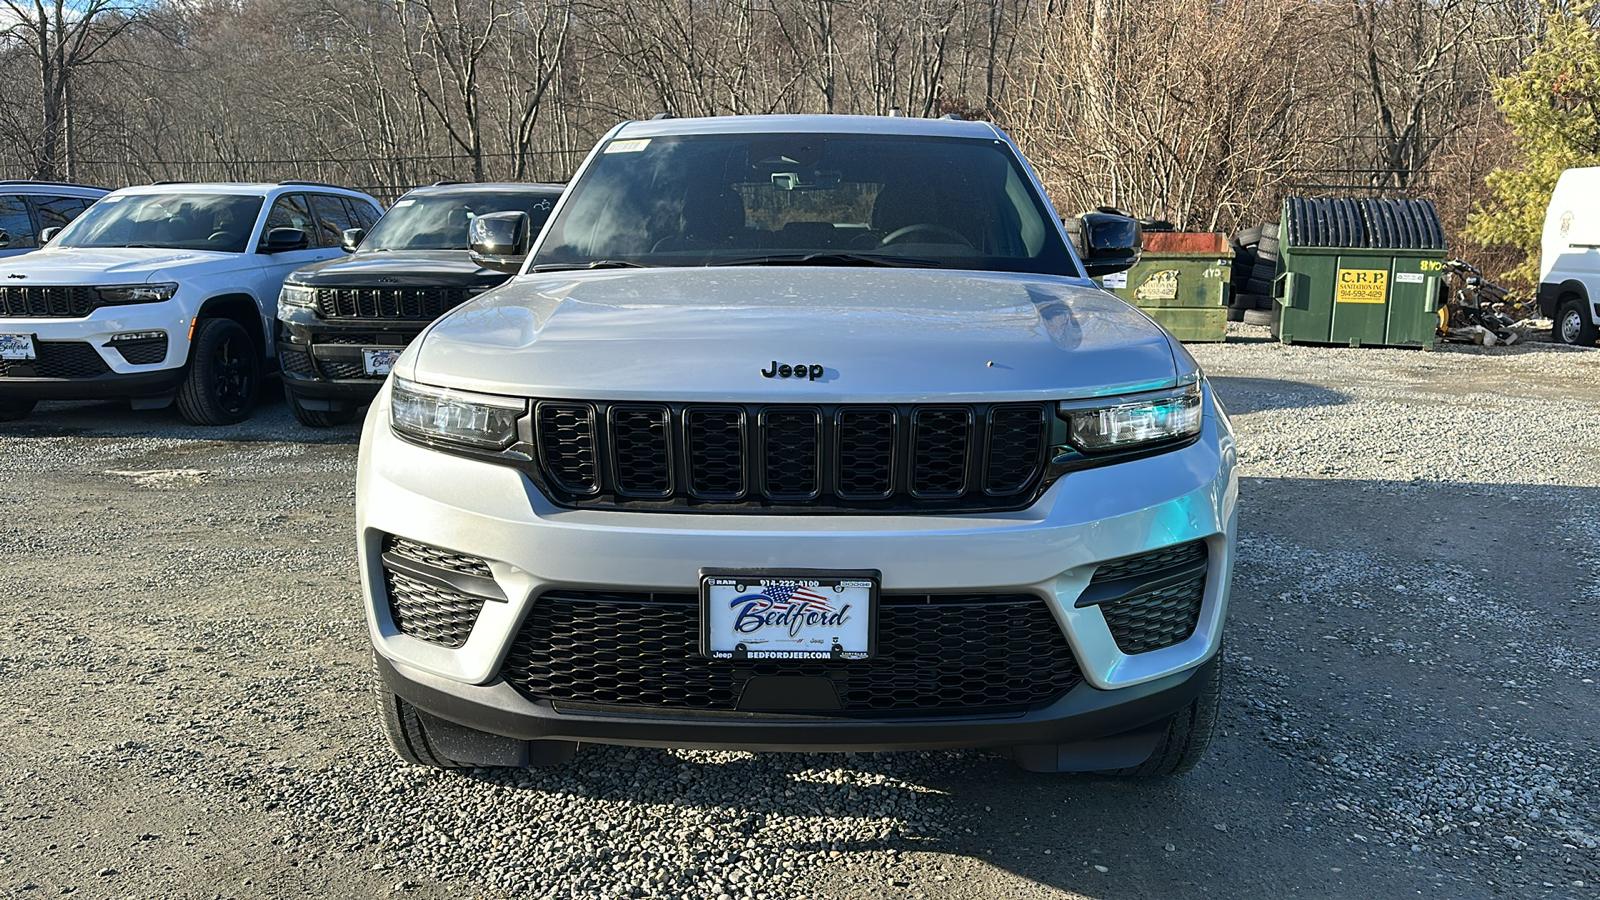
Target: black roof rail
[173, 181]
[662, 115]
[953, 116]
[337, 187]
[445, 183]
[30, 181]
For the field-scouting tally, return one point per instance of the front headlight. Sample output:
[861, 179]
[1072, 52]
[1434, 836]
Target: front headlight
[296, 295]
[137, 293]
[1096, 426]
[459, 417]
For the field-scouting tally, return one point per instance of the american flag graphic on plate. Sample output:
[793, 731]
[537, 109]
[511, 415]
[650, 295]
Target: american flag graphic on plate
[787, 618]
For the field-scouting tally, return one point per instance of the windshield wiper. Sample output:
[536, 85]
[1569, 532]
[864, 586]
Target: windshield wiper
[597, 264]
[831, 259]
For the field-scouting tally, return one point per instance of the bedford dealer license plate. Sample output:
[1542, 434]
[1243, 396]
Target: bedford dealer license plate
[17, 346]
[379, 362]
[787, 614]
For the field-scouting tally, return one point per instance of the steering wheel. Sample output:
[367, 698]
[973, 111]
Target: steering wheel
[900, 235]
[222, 237]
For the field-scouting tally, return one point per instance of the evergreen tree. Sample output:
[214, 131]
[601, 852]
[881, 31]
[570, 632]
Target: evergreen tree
[1553, 108]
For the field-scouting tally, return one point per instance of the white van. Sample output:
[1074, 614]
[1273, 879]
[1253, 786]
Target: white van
[1569, 268]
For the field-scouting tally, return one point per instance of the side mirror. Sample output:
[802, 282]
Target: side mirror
[1108, 242]
[350, 239]
[499, 241]
[48, 234]
[282, 240]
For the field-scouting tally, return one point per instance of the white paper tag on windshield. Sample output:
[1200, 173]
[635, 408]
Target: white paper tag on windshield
[627, 146]
[404, 203]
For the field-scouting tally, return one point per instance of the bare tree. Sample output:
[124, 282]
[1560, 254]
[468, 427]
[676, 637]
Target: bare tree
[62, 38]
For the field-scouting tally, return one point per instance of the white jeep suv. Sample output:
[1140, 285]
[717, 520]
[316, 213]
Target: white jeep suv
[164, 291]
[799, 432]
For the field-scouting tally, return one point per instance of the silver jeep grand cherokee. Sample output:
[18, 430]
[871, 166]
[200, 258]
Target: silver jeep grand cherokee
[798, 433]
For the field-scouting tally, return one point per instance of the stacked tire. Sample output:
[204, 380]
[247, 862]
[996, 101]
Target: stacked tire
[1255, 267]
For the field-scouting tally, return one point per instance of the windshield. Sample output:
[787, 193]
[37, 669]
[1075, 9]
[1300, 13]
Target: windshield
[440, 222]
[804, 198]
[221, 222]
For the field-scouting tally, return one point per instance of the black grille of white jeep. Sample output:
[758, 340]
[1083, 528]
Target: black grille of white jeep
[43, 300]
[714, 456]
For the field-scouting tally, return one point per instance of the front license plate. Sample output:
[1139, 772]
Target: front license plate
[788, 614]
[17, 346]
[379, 362]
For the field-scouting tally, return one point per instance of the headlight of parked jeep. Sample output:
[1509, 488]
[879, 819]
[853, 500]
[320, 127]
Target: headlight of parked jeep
[1128, 423]
[137, 293]
[296, 295]
[457, 417]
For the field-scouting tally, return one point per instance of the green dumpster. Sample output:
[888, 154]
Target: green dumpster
[1359, 272]
[1181, 281]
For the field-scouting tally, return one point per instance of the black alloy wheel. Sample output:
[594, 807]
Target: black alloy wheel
[224, 375]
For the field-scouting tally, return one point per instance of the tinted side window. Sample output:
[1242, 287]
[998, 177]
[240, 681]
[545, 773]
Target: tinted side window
[366, 215]
[56, 212]
[16, 228]
[291, 212]
[332, 218]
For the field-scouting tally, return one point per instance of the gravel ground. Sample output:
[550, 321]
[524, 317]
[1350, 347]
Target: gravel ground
[1410, 706]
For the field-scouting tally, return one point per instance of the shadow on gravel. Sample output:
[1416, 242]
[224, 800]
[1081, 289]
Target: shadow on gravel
[1249, 395]
[271, 422]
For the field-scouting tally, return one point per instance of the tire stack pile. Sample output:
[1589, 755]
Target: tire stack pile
[1255, 265]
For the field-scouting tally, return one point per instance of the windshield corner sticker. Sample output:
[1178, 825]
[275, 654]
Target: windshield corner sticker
[1162, 285]
[1115, 280]
[627, 146]
[1362, 286]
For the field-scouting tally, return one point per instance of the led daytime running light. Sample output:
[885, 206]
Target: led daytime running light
[459, 417]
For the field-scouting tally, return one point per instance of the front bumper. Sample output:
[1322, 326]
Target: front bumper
[322, 358]
[1050, 550]
[79, 361]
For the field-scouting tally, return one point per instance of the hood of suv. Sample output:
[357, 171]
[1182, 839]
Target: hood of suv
[901, 335]
[399, 268]
[111, 265]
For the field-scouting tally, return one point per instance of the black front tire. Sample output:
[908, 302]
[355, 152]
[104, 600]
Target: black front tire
[318, 418]
[224, 376]
[12, 410]
[1188, 734]
[403, 725]
[1572, 328]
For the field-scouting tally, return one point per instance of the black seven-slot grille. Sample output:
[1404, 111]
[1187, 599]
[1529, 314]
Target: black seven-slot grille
[389, 303]
[39, 300]
[1151, 600]
[937, 655]
[652, 455]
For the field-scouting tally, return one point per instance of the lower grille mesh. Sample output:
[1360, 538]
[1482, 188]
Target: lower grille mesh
[429, 613]
[1157, 619]
[57, 359]
[937, 655]
[424, 609]
[1166, 614]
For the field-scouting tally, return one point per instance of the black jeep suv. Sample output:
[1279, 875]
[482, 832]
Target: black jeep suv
[343, 322]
